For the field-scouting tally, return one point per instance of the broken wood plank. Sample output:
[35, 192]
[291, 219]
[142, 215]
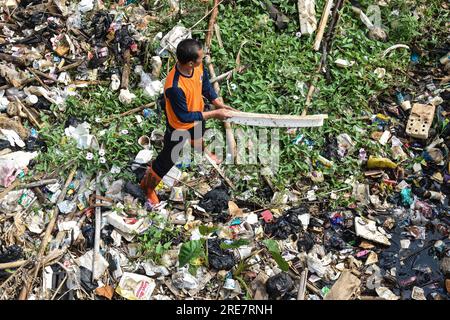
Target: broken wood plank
[126, 69]
[217, 32]
[322, 24]
[302, 285]
[222, 174]
[276, 120]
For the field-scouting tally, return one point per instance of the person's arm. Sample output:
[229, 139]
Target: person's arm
[177, 99]
[207, 89]
[220, 114]
[220, 105]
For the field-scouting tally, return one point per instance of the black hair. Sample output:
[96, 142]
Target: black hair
[187, 50]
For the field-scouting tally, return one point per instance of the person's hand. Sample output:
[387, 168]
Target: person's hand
[227, 107]
[222, 114]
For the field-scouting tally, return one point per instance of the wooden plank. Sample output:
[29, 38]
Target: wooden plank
[276, 120]
[322, 24]
[98, 225]
[217, 32]
[10, 265]
[222, 174]
[302, 285]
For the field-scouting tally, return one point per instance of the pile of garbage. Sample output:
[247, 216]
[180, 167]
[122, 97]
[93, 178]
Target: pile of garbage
[91, 237]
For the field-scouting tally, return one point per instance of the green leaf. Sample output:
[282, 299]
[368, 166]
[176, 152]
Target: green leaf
[274, 250]
[271, 245]
[280, 261]
[234, 244]
[193, 269]
[189, 250]
[205, 230]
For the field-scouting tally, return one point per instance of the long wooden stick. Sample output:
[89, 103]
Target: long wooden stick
[218, 36]
[329, 37]
[10, 265]
[302, 285]
[98, 224]
[70, 66]
[231, 142]
[42, 74]
[221, 77]
[213, 8]
[40, 195]
[212, 21]
[38, 183]
[222, 174]
[131, 111]
[313, 288]
[13, 59]
[228, 130]
[126, 69]
[322, 25]
[29, 115]
[323, 60]
[36, 77]
[51, 225]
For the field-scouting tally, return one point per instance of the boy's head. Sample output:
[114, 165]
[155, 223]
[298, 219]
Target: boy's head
[190, 52]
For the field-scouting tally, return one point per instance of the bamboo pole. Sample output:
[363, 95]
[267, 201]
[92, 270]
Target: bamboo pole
[98, 225]
[322, 25]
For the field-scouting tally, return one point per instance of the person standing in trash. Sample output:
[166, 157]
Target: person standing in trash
[185, 85]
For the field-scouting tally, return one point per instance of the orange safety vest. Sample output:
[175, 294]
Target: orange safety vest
[192, 88]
